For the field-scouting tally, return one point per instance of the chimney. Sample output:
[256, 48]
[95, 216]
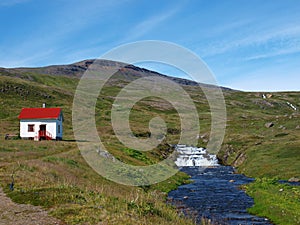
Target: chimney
[44, 105]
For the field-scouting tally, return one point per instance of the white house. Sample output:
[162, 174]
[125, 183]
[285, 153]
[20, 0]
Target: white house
[41, 123]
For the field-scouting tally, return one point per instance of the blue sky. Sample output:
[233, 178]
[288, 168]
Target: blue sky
[249, 45]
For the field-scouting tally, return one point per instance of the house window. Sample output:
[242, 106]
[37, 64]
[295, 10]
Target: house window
[30, 127]
[58, 129]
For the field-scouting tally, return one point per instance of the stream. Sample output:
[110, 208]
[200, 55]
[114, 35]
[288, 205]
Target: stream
[215, 193]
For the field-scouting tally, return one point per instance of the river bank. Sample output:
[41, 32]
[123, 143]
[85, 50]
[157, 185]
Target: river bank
[215, 191]
[215, 194]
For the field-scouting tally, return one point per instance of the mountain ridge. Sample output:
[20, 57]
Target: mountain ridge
[77, 69]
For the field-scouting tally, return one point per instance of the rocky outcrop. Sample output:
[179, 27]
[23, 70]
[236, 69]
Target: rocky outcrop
[240, 159]
[269, 124]
[230, 156]
[225, 153]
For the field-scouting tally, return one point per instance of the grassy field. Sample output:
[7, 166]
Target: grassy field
[55, 176]
[281, 201]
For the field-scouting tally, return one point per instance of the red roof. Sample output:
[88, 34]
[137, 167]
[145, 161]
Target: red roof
[39, 113]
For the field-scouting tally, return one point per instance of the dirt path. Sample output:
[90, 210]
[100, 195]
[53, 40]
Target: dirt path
[21, 214]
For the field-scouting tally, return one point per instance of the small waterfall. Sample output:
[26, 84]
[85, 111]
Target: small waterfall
[193, 156]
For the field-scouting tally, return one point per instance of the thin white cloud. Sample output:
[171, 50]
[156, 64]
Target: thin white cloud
[255, 39]
[149, 24]
[268, 35]
[280, 52]
[25, 61]
[227, 27]
[67, 20]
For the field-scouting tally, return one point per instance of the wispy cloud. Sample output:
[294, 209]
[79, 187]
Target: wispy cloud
[24, 61]
[257, 38]
[224, 29]
[280, 52]
[149, 24]
[65, 22]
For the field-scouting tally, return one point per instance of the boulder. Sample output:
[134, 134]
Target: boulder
[270, 124]
[294, 179]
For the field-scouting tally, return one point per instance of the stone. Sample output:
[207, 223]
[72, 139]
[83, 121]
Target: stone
[269, 125]
[231, 181]
[298, 127]
[282, 127]
[204, 136]
[294, 179]
[239, 160]
[244, 116]
[269, 95]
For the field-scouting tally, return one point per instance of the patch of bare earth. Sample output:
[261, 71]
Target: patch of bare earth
[20, 214]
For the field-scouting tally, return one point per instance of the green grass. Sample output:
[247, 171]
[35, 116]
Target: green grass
[54, 174]
[265, 153]
[279, 202]
[69, 162]
[137, 155]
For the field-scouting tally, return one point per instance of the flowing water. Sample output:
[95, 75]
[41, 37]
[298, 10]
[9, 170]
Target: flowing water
[215, 193]
[191, 156]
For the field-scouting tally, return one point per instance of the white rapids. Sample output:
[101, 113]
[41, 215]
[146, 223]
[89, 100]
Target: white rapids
[193, 156]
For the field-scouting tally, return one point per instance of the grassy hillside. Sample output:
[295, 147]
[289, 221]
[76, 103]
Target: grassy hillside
[258, 150]
[266, 153]
[54, 174]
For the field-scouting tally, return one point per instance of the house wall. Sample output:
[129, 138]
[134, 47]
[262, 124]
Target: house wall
[59, 123]
[51, 127]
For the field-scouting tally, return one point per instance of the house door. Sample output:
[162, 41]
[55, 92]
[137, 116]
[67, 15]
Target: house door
[42, 131]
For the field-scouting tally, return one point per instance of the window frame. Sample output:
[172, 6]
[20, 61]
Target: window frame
[30, 128]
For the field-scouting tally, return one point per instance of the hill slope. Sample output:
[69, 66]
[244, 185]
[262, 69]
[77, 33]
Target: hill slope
[54, 175]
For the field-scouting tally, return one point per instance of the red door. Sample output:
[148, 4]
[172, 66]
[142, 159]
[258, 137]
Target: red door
[42, 131]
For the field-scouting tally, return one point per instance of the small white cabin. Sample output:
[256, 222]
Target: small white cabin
[41, 123]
